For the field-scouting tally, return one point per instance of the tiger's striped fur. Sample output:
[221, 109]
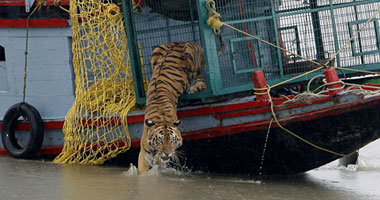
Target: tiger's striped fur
[177, 67]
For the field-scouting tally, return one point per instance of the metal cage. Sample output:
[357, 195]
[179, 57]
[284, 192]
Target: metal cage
[315, 29]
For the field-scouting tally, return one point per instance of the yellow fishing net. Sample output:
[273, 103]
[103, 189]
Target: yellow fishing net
[96, 128]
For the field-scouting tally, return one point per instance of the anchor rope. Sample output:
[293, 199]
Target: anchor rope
[354, 88]
[297, 136]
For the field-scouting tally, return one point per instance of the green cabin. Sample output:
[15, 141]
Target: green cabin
[314, 29]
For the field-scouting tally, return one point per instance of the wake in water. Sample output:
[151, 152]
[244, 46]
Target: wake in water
[368, 160]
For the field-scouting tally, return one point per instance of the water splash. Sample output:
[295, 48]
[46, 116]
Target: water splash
[132, 171]
[154, 171]
[350, 167]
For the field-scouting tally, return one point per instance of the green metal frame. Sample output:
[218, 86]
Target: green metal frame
[213, 72]
[312, 9]
[236, 70]
[296, 34]
[134, 54]
[353, 46]
[209, 44]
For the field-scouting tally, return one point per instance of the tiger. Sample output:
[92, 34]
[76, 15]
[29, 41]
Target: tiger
[177, 68]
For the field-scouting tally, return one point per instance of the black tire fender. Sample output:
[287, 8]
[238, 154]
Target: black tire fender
[10, 121]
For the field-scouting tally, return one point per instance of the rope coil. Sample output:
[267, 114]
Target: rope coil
[260, 89]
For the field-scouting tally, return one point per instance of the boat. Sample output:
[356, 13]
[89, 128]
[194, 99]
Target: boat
[229, 128]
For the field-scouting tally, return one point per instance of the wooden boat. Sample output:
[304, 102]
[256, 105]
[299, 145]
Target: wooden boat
[231, 130]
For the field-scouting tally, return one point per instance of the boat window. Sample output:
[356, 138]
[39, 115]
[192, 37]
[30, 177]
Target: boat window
[3, 71]
[2, 53]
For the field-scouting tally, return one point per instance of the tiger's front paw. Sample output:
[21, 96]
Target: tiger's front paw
[198, 86]
[143, 165]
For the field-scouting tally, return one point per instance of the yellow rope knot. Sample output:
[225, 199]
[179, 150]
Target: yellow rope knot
[41, 3]
[214, 20]
[256, 90]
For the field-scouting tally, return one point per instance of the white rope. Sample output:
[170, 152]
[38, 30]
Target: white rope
[349, 87]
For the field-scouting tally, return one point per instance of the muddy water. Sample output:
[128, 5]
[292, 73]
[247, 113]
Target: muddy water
[29, 180]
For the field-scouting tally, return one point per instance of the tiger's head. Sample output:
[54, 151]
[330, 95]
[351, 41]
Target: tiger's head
[163, 140]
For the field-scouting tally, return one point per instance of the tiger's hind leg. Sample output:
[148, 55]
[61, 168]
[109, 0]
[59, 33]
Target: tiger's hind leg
[198, 84]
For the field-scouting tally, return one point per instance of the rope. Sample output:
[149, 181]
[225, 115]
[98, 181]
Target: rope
[297, 136]
[357, 70]
[214, 19]
[39, 5]
[259, 89]
[308, 95]
[57, 3]
[311, 80]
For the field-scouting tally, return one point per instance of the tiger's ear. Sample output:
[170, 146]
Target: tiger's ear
[177, 123]
[149, 123]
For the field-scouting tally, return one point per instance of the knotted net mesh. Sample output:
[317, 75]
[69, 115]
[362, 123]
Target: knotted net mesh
[96, 128]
